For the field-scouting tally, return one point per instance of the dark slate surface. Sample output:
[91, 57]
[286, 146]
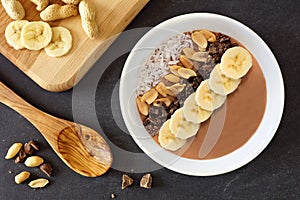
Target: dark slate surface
[274, 174]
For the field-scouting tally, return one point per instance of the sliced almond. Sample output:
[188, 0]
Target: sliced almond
[172, 78]
[142, 106]
[150, 96]
[162, 101]
[186, 73]
[174, 68]
[38, 183]
[199, 39]
[200, 56]
[210, 36]
[176, 88]
[161, 89]
[186, 62]
[188, 52]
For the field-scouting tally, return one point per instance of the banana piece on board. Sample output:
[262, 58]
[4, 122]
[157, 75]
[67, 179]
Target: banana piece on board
[61, 42]
[220, 83]
[13, 34]
[208, 99]
[36, 35]
[194, 113]
[182, 128]
[236, 62]
[167, 139]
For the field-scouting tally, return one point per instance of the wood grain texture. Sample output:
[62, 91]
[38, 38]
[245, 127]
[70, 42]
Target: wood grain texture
[81, 148]
[60, 74]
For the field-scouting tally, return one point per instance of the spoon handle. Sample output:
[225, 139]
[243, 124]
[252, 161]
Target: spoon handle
[38, 118]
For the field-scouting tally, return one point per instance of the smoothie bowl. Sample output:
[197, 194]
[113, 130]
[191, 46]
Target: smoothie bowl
[201, 94]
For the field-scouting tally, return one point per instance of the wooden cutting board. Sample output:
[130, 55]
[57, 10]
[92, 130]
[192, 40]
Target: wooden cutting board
[60, 74]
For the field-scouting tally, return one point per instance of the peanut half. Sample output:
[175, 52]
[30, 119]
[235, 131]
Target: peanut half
[174, 68]
[34, 161]
[150, 96]
[186, 73]
[199, 39]
[38, 183]
[21, 177]
[187, 63]
[176, 88]
[188, 52]
[40, 4]
[211, 37]
[57, 12]
[142, 106]
[200, 56]
[161, 89]
[172, 78]
[87, 12]
[13, 150]
[14, 9]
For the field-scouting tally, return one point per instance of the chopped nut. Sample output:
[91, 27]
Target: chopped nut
[34, 145]
[34, 161]
[146, 181]
[172, 78]
[21, 177]
[150, 96]
[211, 37]
[186, 73]
[38, 183]
[13, 150]
[162, 102]
[188, 52]
[176, 88]
[142, 106]
[161, 89]
[21, 157]
[200, 56]
[126, 181]
[47, 169]
[187, 63]
[199, 39]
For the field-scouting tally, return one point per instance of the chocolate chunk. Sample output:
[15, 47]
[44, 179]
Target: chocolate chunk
[28, 148]
[47, 169]
[146, 181]
[21, 157]
[126, 181]
[217, 49]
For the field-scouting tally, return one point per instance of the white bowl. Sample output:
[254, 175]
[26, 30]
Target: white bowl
[274, 83]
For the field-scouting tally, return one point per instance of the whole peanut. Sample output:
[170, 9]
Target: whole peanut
[14, 9]
[87, 12]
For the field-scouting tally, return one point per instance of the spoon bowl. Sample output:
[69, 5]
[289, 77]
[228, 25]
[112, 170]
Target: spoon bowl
[80, 148]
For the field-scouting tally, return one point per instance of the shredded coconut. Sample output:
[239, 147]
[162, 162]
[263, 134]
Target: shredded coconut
[157, 65]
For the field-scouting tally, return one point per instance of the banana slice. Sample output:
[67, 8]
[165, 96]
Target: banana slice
[182, 128]
[220, 83]
[13, 34]
[194, 113]
[167, 140]
[207, 99]
[36, 35]
[236, 62]
[61, 42]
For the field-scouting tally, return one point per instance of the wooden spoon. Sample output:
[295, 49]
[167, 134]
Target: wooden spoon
[81, 148]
